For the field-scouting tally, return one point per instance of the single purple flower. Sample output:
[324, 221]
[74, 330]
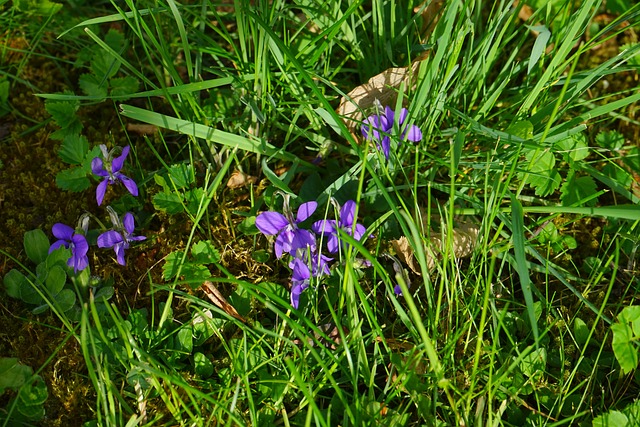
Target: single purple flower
[110, 169]
[377, 127]
[121, 236]
[413, 134]
[289, 238]
[345, 222]
[70, 239]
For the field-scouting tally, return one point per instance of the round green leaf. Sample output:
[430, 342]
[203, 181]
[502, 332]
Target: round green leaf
[13, 282]
[36, 245]
[202, 365]
[55, 280]
[65, 299]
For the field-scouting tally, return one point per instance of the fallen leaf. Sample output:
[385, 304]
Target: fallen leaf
[142, 129]
[240, 179]
[218, 300]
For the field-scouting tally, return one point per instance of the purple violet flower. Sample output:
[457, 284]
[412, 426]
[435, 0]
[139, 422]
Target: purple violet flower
[72, 239]
[378, 126]
[121, 236]
[289, 238]
[109, 168]
[299, 280]
[345, 222]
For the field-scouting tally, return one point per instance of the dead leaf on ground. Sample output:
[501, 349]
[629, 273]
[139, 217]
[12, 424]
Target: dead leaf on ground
[464, 239]
[240, 179]
[219, 301]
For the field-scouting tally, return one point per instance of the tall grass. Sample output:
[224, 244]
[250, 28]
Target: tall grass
[487, 340]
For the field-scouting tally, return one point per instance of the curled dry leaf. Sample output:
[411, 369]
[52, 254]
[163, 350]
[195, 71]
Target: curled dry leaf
[464, 239]
[240, 179]
[217, 299]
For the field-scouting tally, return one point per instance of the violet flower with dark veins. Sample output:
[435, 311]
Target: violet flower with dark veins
[289, 238]
[121, 236]
[345, 222]
[110, 168]
[74, 240]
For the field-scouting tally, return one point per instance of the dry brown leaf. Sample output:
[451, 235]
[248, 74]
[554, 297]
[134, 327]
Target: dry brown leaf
[464, 239]
[240, 179]
[217, 299]
[383, 87]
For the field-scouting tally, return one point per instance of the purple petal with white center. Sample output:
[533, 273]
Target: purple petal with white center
[62, 231]
[129, 184]
[97, 167]
[101, 189]
[301, 239]
[271, 223]
[118, 162]
[306, 210]
[109, 239]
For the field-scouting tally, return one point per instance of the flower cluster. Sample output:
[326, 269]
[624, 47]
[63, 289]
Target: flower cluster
[378, 127]
[120, 236]
[307, 260]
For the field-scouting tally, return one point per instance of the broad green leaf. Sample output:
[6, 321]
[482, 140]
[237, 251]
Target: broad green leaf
[171, 264]
[65, 300]
[631, 315]
[29, 294]
[56, 278]
[181, 175]
[73, 179]
[541, 175]
[184, 341]
[168, 202]
[194, 199]
[123, 86]
[64, 113]
[34, 392]
[611, 419]
[204, 252]
[574, 147]
[623, 347]
[13, 282]
[612, 140]
[104, 66]
[580, 331]
[13, 374]
[93, 86]
[578, 191]
[37, 7]
[202, 365]
[74, 148]
[36, 245]
[522, 129]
